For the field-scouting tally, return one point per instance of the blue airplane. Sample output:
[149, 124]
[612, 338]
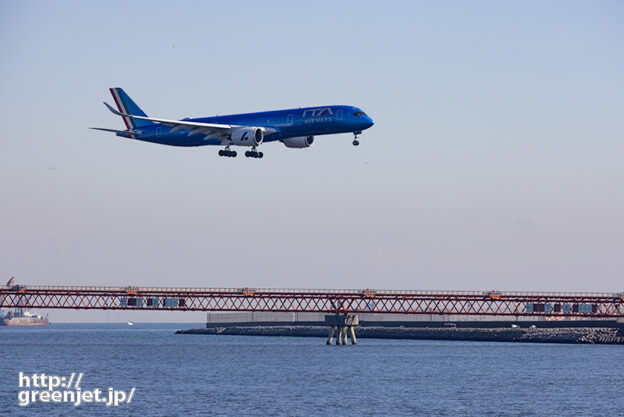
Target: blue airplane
[295, 128]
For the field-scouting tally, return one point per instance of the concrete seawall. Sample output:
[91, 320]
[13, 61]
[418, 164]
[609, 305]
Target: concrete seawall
[585, 335]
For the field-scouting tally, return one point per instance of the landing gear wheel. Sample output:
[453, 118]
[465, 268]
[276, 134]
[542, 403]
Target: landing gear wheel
[253, 153]
[227, 152]
[356, 142]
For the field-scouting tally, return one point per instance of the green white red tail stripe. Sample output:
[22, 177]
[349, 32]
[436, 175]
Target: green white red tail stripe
[122, 107]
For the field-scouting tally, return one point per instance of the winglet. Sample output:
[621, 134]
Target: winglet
[109, 107]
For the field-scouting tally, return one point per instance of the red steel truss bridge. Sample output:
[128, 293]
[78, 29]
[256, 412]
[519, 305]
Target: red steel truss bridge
[495, 303]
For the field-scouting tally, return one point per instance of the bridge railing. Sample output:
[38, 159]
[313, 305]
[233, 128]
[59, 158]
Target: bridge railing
[370, 292]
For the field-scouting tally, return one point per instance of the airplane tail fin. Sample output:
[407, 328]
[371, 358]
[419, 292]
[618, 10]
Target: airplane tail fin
[126, 105]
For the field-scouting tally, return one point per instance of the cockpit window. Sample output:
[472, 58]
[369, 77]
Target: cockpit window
[359, 113]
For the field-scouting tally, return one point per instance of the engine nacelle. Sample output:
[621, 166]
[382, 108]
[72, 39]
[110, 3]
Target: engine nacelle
[247, 136]
[299, 142]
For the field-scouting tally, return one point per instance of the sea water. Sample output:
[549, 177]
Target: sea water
[212, 375]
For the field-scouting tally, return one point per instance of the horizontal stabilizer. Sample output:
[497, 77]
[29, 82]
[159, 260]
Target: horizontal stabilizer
[130, 134]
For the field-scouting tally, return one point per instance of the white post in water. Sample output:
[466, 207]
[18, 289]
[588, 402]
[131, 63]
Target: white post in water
[352, 334]
[330, 336]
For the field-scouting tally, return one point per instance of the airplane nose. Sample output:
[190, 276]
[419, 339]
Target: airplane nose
[369, 122]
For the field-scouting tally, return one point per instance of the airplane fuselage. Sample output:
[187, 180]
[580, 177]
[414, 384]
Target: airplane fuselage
[307, 121]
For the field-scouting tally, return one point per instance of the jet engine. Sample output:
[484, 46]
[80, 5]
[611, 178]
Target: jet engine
[247, 136]
[299, 142]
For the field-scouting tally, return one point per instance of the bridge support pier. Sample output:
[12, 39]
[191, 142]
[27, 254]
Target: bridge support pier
[330, 336]
[342, 325]
[352, 335]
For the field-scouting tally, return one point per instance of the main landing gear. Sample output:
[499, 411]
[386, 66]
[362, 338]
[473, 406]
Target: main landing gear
[253, 153]
[227, 152]
[356, 135]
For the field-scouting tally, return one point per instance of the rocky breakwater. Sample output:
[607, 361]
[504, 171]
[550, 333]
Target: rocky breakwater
[585, 335]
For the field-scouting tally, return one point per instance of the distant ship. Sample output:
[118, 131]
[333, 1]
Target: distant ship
[21, 317]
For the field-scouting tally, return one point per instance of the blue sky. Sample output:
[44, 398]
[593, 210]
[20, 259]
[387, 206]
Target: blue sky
[495, 161]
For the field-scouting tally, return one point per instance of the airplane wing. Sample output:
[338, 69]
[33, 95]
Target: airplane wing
[216, 130]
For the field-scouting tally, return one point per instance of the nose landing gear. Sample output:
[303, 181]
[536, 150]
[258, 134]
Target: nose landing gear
[356, 135]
